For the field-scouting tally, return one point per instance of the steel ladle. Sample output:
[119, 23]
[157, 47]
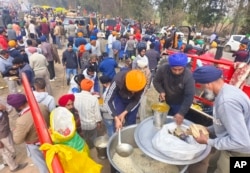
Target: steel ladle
[123, 149]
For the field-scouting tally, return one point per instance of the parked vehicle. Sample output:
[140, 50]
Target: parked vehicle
[73, 19]
[164, 29]
[233, 43]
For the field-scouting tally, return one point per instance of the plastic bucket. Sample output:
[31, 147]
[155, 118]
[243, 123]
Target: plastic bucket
[101, 144]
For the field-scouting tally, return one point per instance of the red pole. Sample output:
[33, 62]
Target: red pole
[40, 124]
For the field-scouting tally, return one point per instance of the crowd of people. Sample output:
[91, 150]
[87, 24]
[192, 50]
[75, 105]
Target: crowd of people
[91, 63]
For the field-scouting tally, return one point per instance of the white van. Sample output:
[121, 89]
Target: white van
[233, 43]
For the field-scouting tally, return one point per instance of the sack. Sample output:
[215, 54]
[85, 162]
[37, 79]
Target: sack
[72, 161]
[72, 150]
[62, 125]
[175, 148]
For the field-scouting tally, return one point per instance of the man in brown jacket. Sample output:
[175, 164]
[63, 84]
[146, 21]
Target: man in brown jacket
[25, 130]
[6, 142]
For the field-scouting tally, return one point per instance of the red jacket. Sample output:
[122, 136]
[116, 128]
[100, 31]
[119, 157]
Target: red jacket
[3, 42]
[45, 28]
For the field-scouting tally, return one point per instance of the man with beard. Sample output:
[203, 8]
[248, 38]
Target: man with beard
[176, 86]
[67, 101]
[25, 130]
[231, 123]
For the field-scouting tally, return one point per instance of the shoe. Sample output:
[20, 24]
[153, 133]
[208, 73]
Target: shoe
[19, 167]
[52, 80]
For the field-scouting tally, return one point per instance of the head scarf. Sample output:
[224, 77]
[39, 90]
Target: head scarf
[12, 43]
[63, 100]
[86, 84]
[43, 38]
[135, 80]
[178, 59]
[207, 74]
[16, 100]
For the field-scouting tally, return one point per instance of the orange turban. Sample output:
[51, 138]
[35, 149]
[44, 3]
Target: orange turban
[86, 84]
[135, 80]
[12, 43]
[63, 100]
[79, 34]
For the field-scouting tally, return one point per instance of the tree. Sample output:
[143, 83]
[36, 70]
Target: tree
[170, 11]
[206, 13]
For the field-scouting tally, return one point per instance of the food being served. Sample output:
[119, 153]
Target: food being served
[195, 130]
[138, 162]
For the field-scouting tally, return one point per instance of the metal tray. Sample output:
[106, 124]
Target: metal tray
[143, 135]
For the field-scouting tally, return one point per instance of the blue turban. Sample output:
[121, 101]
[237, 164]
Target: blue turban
[43, 38]
[19, 37]
[93, 37]
[178, 59]
[207, 74]
[71, 39]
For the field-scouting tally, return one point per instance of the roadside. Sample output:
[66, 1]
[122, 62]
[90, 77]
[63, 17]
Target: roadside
[59, 88]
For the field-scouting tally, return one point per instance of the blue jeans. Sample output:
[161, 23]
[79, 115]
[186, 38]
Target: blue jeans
[110, 126]
[70, 71]
[37, 157]
[58, 42]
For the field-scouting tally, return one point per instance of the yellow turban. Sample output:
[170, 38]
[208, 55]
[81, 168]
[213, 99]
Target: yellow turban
[213, 44]
[12, 43]
[79, 34]
[135, 80]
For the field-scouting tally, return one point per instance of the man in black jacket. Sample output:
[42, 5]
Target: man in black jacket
[176, 86]
[124, 95]
[69, 61]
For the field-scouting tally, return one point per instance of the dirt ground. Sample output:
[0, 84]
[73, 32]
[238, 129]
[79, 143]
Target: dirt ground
[59, 87]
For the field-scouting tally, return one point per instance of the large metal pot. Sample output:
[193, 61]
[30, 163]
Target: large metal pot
[127, 134]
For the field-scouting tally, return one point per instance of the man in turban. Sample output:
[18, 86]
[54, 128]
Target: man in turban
[25, 130]
[124, 95]
[67, 101]
[7, 148]
[89, 111]
[175, 84]
[108, 120]
[231, 124]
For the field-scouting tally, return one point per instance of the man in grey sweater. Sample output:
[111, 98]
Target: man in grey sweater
[176, 86]
[231, 124]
